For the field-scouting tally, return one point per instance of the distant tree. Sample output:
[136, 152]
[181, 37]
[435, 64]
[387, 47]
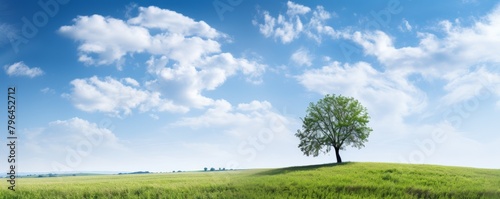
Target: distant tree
[212, 169]
[179, 171]
[205, 168]
[333, 122]
[173, 171]
[223, 169]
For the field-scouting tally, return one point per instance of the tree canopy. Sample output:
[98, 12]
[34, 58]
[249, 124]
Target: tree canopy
[333, 122]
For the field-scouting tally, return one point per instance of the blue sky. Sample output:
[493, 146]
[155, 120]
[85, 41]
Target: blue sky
[162, 86]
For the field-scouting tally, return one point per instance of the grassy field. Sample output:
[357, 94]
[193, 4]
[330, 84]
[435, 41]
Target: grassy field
[347, 180]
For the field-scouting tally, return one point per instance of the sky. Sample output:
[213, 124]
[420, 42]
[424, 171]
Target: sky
[183, 85]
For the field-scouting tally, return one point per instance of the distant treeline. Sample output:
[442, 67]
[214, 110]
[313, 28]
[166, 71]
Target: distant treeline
[51, 175]
[137, 172]
[213, 169]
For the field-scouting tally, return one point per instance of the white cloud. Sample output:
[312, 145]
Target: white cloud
[289, 27]
[498, 105]
[218, 115]
[185, 58]
[72, 130]
[450, 57]
[317, 27]
[131, 81]
[459, 48]
[21, 69]
[108, 38]
[179, 38]
[302, 57]
[296, 9]
[267, 28]
[111, 96]
[185, 83]
[405, 26]
[175, 23]
[47, 90]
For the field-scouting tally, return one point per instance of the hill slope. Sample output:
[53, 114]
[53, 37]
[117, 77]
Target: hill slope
[347, 180]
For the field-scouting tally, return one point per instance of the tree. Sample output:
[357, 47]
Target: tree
[333, 122]
[205, 168]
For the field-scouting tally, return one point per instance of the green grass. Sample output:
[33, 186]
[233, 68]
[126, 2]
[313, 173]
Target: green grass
[347, 180]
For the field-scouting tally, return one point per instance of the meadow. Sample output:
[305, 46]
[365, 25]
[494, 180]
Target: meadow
[346, 180]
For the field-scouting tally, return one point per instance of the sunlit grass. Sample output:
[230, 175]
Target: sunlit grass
[348, 180]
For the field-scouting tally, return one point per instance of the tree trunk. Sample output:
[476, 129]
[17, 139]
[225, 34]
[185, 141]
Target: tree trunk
[337, 154]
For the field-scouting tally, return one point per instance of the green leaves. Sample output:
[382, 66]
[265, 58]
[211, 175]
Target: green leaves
[334, 121]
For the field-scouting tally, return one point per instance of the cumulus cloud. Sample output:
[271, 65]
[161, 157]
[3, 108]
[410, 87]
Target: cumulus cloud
[302, 57]
[112, 96]
[21, 69]
[451, 57]
[185, 83]
[185, 60]
[175, 23]
[105, 40]
[297, 21]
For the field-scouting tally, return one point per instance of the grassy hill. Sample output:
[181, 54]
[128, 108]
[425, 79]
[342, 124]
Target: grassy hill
[347, 180]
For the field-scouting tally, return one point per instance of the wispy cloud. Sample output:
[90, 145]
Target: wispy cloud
[296, 22]
[405, 26]
[302, 57]
[48, 90]
[21, 69]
